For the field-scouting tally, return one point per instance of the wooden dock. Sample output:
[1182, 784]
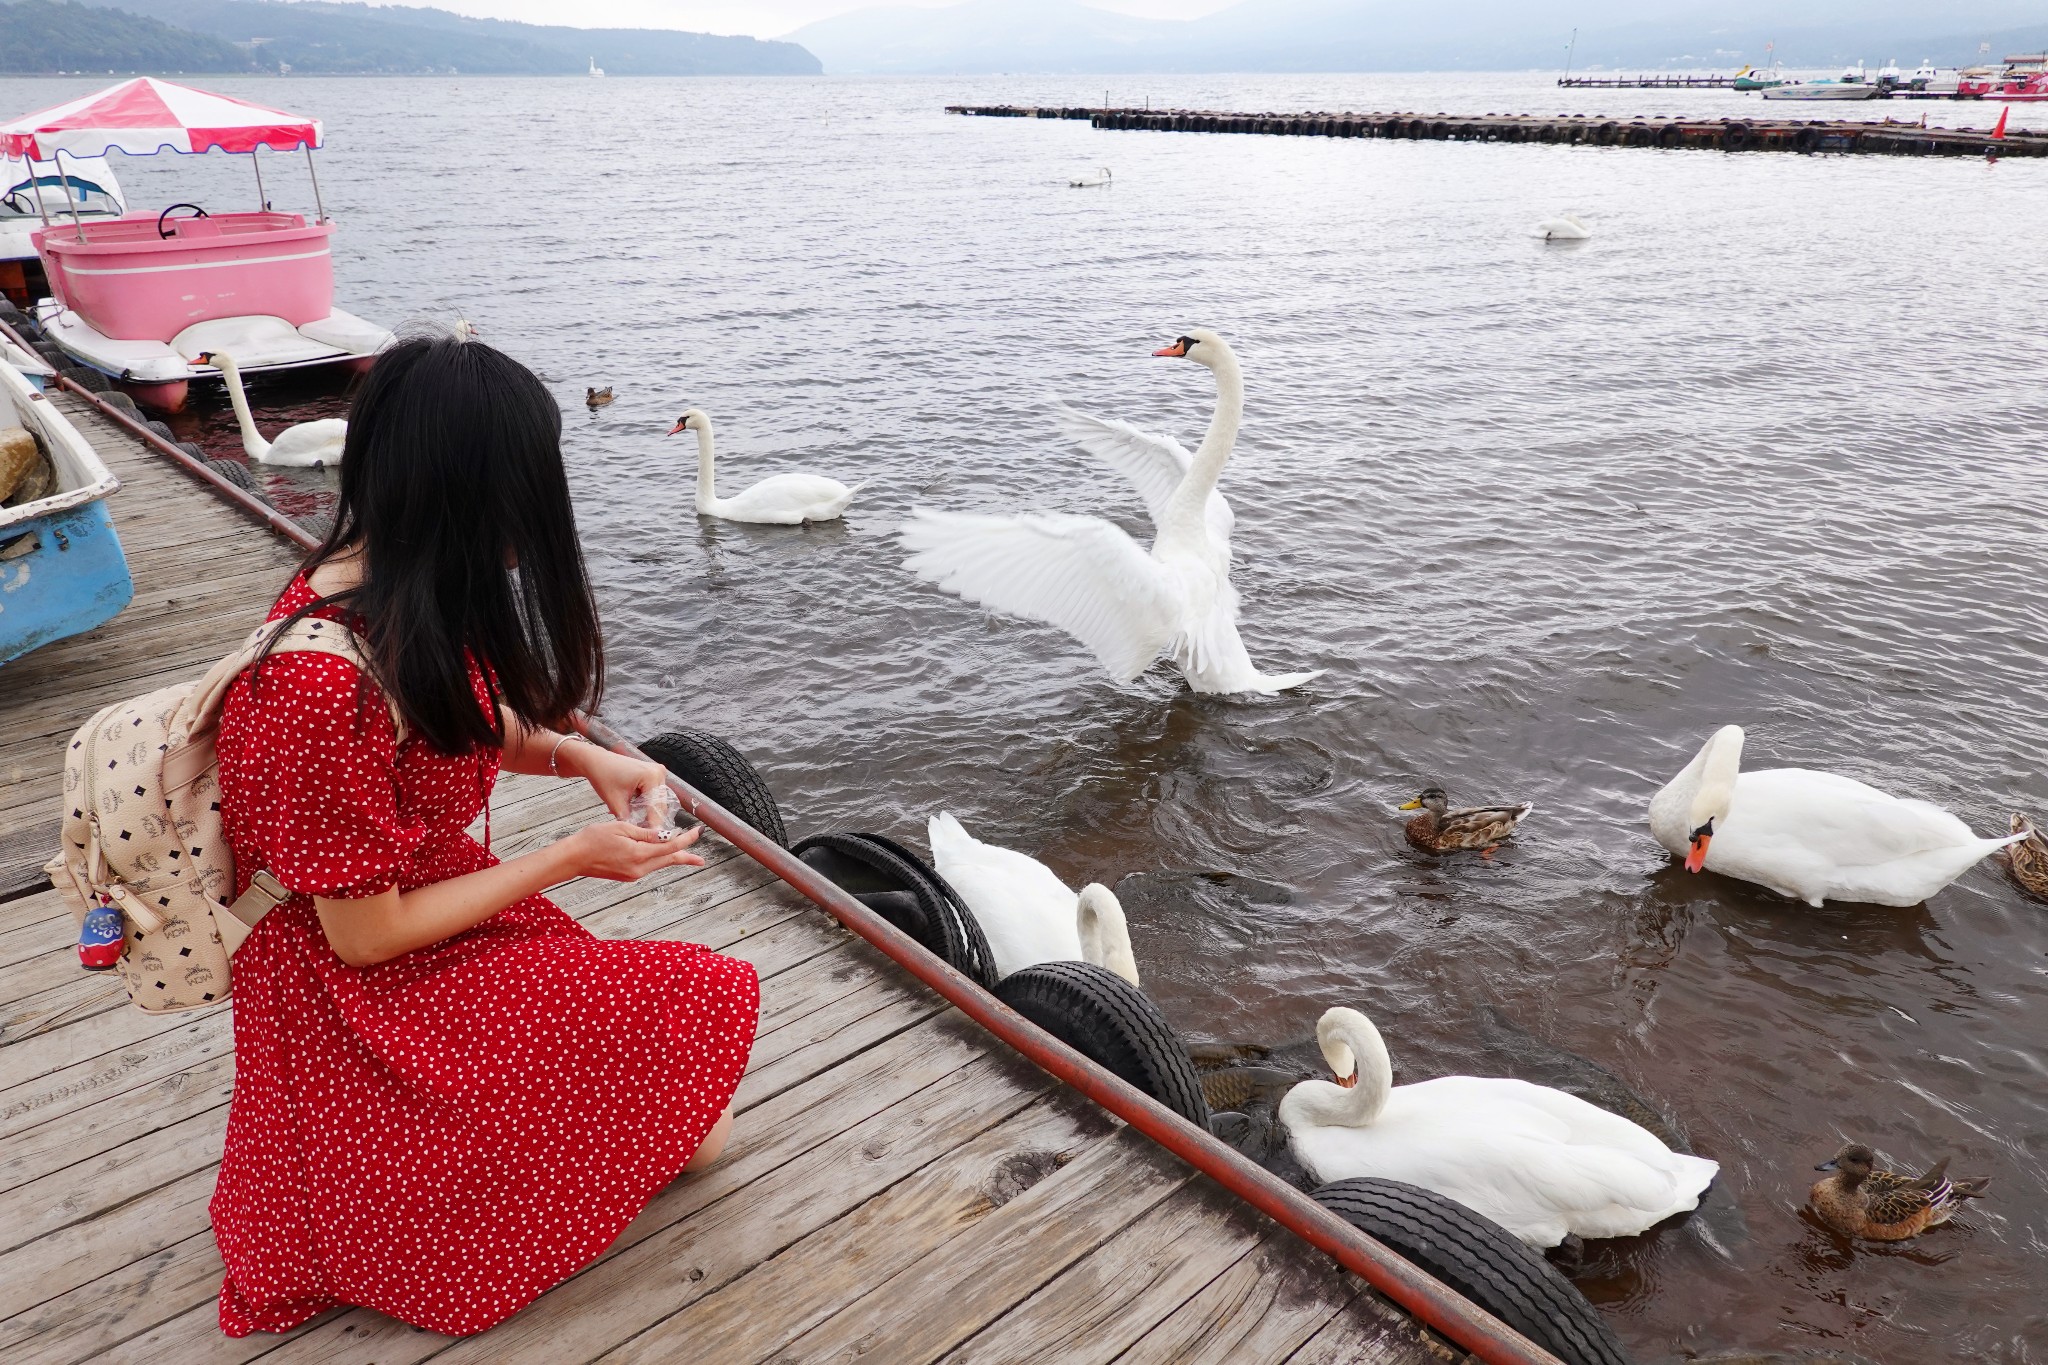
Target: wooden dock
[1764, 134]
[900, 1187]
[1656, 82]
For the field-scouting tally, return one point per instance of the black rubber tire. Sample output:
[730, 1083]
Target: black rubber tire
[118, 399]
[722, 773]
[1737, 136]
[1108, 1020]
[1806, 141]
[1481, 1260]
[880, 873]
[234, 471]
[161, 431]
[87, 378]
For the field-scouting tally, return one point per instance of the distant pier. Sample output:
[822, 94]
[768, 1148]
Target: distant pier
[1646, 82]
[1726, 135]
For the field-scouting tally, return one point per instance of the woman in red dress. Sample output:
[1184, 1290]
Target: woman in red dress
[449, 1096]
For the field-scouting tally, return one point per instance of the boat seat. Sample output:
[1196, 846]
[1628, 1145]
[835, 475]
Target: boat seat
[252, 341]
[195, 227]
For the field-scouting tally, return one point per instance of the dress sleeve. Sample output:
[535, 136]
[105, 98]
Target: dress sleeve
[316, 757]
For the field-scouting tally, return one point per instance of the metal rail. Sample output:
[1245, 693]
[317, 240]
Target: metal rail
[1427, 1298]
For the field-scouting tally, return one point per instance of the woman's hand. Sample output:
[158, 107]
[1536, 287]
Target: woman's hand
[619, 852]
[615, 778]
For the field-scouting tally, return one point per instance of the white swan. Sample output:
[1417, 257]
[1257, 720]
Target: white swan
[1543, 1164]
[1564, 228]
[1090, 182]
[780, 500]
[1025, 911]
[309, 445]
[1087, 577]
[1811, 836]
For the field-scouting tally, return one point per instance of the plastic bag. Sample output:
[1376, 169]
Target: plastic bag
[659, 810]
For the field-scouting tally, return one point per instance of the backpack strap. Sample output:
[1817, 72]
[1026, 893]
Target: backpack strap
[192, 751]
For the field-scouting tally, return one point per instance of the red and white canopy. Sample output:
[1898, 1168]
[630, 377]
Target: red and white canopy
[143, 116]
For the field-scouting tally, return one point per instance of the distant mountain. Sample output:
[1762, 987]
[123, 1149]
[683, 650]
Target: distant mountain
[990, 36]
[322, 36]
[42, 35]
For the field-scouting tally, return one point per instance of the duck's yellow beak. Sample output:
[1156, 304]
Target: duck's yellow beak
[1410, 805]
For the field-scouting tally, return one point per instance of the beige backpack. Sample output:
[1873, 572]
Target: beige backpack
[142, 831]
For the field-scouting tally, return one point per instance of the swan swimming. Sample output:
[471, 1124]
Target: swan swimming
[1543, 1164]
[1085, 576]
[1812, 836]
[779, 500]
[309, 445]
[1564, 228]
[1025, 911]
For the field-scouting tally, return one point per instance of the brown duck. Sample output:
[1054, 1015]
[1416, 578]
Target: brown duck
[1863, 1201]
[596, 398]
[1440, 830]
[2027, 860]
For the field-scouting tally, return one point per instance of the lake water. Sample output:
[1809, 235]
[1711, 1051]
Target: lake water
[1767, 449]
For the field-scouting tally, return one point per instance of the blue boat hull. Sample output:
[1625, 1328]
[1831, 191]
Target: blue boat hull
[76, 578]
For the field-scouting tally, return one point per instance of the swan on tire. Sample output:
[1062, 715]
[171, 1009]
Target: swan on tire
[1025, 911]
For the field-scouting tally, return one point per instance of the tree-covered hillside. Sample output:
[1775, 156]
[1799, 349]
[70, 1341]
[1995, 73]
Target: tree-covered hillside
[55, 35]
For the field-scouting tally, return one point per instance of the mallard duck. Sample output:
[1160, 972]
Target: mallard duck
[1859, 1199]
[1438, 830]
[2027, 860]
[596, 398]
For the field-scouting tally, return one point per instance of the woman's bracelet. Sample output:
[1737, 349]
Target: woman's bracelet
[556, 752]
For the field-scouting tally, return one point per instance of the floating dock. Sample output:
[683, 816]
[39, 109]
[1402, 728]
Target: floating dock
[901, 1184]
[1765, 134]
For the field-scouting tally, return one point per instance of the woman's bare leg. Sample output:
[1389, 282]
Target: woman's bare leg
[713, 1145]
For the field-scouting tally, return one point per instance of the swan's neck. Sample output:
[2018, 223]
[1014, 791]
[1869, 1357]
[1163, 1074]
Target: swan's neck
[1188, 506]
[1325, 1104]
[707, 479]
[252, 439]
[1105, 935]
[1703, 791]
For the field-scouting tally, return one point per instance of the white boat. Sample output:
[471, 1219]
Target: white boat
[1932, 79]
[92, 188]
[1850, 85]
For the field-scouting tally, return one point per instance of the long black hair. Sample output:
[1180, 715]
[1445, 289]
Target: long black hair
[453, 489]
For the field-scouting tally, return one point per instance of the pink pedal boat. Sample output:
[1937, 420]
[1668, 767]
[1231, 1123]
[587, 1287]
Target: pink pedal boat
[142, 296]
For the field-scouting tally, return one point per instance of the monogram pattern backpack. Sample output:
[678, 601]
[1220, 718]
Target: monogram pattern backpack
[144, 852]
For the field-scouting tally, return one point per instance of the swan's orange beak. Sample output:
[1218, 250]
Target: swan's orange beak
[1178, 348]
[1348, 1081]
[1696, 852]
[677, 427]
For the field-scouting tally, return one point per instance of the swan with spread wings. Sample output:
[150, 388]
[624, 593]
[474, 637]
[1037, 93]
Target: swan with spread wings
[1087, 577]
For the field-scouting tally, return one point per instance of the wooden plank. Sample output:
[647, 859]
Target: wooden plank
[41, 906]
[1370, 1331]
[951, 1292]
[92, 1319]
[88, 1189]
[815, 1152]
[63, 1260]
[74, 1087]
[1260, 1309]
[108, 1124]
[759, 1313]
[1105, 1302]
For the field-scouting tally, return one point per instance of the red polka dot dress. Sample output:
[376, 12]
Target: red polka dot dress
[444, 1136]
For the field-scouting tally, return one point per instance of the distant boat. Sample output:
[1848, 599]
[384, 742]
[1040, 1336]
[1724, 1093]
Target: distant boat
[595, 69]
[1850, 86]
[1750, 78]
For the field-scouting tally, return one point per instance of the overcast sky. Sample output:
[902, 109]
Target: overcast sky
[759, 18]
